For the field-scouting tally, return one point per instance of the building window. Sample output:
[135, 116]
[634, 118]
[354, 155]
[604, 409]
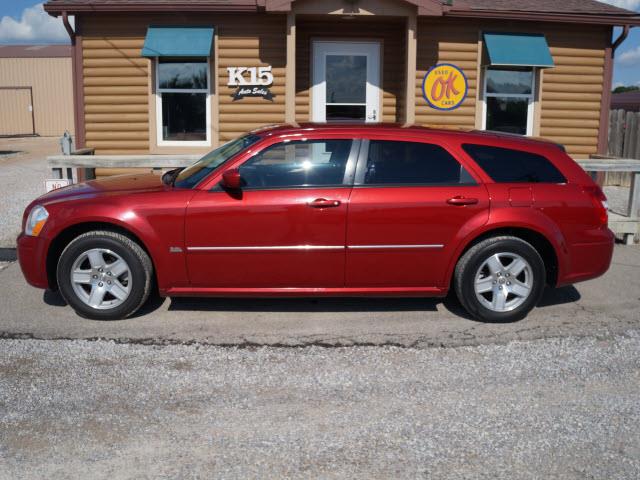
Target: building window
[509, 95]
[183, 110]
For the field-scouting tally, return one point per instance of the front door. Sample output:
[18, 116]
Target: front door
[346, 82]
[284, 229]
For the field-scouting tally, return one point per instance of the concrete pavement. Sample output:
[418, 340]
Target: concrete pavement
[602, 307]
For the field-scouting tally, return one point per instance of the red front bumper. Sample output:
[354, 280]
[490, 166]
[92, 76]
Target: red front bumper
[32, 255]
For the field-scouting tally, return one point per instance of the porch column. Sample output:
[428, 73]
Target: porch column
[290, 72]
[412, 52]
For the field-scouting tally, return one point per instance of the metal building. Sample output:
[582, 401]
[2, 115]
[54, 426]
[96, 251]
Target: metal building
[36, 90]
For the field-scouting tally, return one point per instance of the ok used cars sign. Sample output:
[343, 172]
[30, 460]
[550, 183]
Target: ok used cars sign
[445, 87]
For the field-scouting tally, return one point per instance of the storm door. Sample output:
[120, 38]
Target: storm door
[346, 82]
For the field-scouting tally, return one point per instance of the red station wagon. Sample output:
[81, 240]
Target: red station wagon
[328, 210]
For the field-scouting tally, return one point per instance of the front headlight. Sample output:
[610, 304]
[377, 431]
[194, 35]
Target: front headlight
[36, 220]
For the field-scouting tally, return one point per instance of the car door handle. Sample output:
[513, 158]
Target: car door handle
[460, 201]
[324, 203]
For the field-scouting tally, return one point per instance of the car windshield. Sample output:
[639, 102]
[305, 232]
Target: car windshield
[191, 176]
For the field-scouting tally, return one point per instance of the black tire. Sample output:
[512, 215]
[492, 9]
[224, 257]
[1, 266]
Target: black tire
[138, 261]
[471, 262]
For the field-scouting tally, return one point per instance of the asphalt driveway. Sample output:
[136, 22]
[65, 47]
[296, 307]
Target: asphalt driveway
[604, 306]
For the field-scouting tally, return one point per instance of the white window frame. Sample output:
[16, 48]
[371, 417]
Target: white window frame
[530, 97]
[159, 91]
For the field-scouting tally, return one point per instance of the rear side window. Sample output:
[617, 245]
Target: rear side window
[412, 163]
[504, 165]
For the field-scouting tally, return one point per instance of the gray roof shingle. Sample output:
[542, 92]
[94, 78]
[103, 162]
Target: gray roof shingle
[546, 6]
[583, 7]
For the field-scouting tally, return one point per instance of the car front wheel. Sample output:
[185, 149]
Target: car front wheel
[500, 279]
[104, 275]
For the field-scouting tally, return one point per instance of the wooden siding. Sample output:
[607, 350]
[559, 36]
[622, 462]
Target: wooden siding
[390, 32]
[571, 91]
[447, 42]
[52, 84]
[118, 93]
[117, 79]
[251, 41]
[116, 85]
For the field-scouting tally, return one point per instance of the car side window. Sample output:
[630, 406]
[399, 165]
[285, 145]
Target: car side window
[506, 165]
[412, 163]
[298, 164]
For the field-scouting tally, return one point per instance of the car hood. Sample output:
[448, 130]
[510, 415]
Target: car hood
[105, 186]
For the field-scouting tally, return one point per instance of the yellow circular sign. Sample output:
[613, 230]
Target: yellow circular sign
[445, 87]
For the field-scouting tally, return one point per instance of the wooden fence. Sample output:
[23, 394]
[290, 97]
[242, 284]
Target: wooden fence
[624, 142]
[624, 134]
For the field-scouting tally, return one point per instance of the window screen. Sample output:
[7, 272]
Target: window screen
[298, 164]
[504, 165]
[391, 162]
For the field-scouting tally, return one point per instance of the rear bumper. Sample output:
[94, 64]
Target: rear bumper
[589, 260]
[32, 255]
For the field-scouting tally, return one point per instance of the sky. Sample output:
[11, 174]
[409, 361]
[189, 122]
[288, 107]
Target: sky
[24, 21]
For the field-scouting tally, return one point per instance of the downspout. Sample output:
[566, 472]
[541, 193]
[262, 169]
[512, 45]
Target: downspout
[605, 104]
[67, 26]
[76, 69]
[623, 36]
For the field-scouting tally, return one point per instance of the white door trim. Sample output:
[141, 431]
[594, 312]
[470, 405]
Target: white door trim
[372, 50]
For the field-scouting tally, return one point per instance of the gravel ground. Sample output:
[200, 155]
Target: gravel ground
[23, 177]
[556, 408]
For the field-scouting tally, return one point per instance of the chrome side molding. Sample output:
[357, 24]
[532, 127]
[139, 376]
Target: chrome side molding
[311, 247]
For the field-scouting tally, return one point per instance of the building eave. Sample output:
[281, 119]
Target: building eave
[182, 6]
[611, 20]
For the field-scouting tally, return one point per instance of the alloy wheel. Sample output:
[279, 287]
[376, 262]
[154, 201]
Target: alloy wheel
[503, 282]
[101, 278]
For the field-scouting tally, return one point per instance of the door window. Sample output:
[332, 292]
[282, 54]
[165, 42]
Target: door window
[346, 87]
[298, 164]
[411, 163]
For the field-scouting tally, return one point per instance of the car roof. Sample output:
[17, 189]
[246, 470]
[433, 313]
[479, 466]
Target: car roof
[402, 130]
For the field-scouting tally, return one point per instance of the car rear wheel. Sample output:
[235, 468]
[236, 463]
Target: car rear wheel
[104, 275]
[500, 279]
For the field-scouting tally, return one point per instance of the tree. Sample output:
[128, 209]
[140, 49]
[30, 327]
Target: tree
[626, 89]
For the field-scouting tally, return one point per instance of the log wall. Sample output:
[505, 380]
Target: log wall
[117, 81]
[569, 107]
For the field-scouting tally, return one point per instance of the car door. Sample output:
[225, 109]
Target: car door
[285, 228]
[411, 204]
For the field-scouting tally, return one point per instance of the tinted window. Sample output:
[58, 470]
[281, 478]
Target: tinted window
[504, 165]
[298, 164]
[412, 163]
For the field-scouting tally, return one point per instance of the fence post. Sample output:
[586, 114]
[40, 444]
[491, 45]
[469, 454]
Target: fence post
[630, 127]
[635, 145]
[617, 133]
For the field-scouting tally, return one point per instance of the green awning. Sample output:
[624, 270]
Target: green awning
[178, 42]
[518, 50]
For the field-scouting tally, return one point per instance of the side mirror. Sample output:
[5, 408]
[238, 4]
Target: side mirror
[231, 179]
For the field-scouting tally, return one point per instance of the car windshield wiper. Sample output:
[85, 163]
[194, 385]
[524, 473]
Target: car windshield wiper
[169, 178]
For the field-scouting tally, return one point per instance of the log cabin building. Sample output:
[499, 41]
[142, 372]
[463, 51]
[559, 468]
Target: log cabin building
[177, 76]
